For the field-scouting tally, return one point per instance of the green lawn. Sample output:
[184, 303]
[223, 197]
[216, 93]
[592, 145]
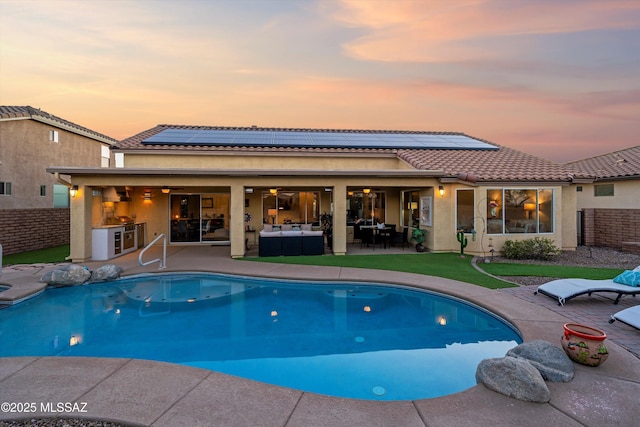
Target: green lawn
[55, 254]
[559, 271]
[447, 265]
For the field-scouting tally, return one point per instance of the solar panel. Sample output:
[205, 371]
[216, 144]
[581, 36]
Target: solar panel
[315, 139]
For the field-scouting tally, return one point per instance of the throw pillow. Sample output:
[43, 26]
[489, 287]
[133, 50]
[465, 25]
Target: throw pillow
[629, 277]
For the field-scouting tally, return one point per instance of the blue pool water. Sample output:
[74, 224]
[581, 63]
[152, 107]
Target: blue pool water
[354, 340]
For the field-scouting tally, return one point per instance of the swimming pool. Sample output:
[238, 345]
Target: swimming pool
[356, 340]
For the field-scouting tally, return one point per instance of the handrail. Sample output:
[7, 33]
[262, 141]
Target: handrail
[163, 261]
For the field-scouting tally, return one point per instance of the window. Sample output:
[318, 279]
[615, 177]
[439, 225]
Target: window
[119, 160]
[5, 188]
[464, 210]
[43, 190]
[370, 207]
[411, 208]
[291, 207]
[53, 136]
[603, 190]
[105, 156]
[519, 211]
[60, 196]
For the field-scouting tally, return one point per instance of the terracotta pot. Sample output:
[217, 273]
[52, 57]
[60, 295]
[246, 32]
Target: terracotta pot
[584, 344]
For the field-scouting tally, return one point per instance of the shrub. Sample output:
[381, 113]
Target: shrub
[536, 248]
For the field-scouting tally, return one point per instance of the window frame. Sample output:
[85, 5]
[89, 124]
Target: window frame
[606, 190]
[5, 188]
[473, 216]
[498, 211]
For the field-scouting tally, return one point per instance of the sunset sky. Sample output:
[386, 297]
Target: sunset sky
[559, 79]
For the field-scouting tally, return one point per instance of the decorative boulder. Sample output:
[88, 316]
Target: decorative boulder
[105, 273]
[551, 361]
[69, 275]
[513, 377]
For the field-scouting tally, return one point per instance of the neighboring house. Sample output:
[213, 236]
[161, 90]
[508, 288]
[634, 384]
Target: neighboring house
[609, 207]
[34, 205]
[220, 185]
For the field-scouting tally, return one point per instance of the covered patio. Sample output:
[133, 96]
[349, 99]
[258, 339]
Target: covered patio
[224, 186]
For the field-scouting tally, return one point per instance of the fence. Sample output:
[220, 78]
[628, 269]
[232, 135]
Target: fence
[23, 230]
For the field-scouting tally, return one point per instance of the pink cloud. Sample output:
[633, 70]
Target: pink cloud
[436, 31]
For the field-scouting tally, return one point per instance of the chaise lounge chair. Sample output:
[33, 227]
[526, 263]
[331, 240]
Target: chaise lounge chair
[630, 316]
[565, 289]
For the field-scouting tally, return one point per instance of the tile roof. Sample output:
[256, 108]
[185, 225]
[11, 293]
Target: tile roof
[504, 164]
[621, 164]
[10, 112]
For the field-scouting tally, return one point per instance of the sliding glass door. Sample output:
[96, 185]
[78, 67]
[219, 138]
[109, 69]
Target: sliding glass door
[199, 217]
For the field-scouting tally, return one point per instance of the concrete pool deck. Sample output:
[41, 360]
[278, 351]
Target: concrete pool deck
[137, 392]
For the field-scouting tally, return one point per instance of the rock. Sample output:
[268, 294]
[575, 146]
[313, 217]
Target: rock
[105, 273]
[551, 361]
[69, 275]
[513, 377]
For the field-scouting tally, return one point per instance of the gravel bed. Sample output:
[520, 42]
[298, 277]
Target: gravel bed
[581, 257]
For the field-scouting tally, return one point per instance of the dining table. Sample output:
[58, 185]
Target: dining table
[380, 234]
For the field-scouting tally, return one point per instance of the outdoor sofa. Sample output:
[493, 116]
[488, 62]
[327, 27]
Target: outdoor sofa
[291, 242]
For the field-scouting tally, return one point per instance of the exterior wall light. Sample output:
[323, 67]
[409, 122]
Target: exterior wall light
[273, 191]
[166, 190]
[147, 195]
[441, 190]
[248, 190]
[73, 191]
[366, 190]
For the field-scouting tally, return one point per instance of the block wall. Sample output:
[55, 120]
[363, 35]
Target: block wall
[611, 227]
[23, 230]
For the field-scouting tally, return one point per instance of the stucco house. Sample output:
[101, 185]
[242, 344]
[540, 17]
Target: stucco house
[223, 185]
[34, 204]
[609, 207]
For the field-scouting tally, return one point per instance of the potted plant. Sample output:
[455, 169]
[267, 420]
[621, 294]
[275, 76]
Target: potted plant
[418, 235]
[326, 222]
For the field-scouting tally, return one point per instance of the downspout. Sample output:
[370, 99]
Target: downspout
[62, 181]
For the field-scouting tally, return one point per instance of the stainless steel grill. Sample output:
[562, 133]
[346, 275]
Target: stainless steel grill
[129, 223]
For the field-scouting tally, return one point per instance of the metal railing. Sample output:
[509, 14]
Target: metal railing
[163, 261]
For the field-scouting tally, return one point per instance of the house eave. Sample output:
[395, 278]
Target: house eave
[261, 152]
[242, 172]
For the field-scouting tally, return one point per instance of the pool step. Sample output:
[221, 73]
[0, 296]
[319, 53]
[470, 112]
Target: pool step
[17, 294]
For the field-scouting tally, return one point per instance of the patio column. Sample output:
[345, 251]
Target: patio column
[237, 221]
[340, 219]
[80, 239]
